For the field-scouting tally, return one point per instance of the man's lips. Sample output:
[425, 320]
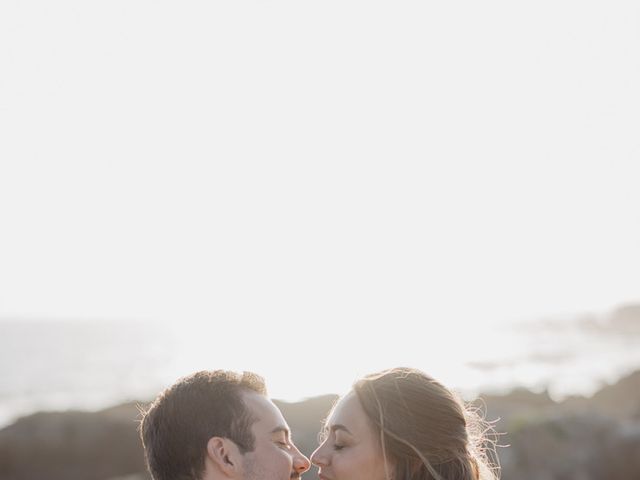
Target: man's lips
[322, 476]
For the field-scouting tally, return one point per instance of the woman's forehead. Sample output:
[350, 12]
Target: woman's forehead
[347, 411]
[349, 417]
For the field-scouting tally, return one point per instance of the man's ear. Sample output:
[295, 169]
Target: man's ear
[225, 456]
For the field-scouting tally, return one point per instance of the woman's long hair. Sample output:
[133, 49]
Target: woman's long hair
[426, 429]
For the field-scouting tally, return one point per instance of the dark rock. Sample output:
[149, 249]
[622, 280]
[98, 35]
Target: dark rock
[587, 447]
[72, 445]
[620, 400]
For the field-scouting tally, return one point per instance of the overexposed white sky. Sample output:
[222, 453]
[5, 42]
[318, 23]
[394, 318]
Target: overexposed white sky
[305, 167]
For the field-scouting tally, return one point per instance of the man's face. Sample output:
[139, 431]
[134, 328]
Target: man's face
[274, 456]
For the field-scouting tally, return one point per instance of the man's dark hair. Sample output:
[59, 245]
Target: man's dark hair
[176, 427]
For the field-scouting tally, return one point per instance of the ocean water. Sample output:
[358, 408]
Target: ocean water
[59, 365]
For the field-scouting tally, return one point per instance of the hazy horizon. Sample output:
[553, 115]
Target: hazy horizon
[60, 364]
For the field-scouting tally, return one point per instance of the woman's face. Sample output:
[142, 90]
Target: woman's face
[351, 450]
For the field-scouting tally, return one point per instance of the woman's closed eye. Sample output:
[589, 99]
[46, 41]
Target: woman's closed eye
[339, 442]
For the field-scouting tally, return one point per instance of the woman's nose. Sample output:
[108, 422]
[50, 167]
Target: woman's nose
[318, 458]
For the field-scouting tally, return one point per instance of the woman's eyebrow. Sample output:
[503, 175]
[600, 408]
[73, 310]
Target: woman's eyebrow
[339, 426]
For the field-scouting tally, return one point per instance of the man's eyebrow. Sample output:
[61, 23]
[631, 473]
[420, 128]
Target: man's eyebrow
[339, 426]
[281, 428]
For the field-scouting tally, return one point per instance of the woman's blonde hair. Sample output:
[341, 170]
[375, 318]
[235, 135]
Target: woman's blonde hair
[425, 429]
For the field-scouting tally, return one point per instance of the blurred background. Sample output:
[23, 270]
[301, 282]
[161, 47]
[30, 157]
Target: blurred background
[315, 192]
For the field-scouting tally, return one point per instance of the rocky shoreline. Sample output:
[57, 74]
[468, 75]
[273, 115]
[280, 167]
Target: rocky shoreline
[594, 438]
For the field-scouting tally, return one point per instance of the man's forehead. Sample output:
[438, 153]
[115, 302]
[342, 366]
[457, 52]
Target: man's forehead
[264, 410]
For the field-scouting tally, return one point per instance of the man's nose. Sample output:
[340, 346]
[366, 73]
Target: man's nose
[301, 464]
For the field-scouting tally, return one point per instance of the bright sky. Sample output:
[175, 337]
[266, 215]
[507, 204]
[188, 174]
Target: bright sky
[292, 171]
